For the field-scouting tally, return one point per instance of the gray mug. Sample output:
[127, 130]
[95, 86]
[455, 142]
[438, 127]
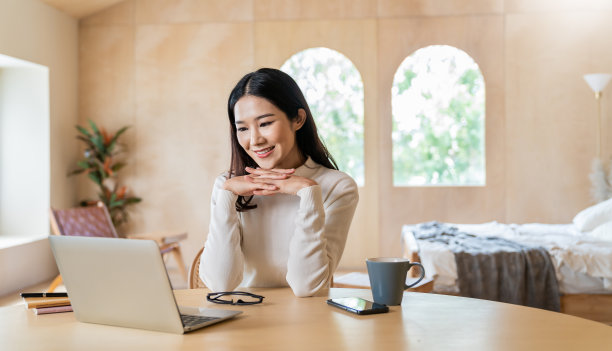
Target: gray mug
[388, 278]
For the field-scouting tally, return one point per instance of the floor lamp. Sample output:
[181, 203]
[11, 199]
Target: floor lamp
[601, 187]
[598, 82]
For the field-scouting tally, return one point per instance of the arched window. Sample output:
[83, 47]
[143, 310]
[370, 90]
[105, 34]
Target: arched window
[438, 104]
[334, 91]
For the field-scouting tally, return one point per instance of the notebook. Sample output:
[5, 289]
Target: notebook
[123, 282]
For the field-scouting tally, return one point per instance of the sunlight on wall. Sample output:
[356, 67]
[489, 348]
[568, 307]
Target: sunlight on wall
[24, 148]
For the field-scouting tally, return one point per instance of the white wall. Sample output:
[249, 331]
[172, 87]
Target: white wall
[25, 265]
[24, 150]
[38, 33]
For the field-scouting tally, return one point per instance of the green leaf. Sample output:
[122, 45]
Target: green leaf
[87, 141]
[84, 131]
[95, 177]
[132, 200]
[94, 127]
[99, 167]
[84, 165]
[405, 84]
[76, 171]
[99, 144]
[113, 141]
[118, 203]
[117, 166]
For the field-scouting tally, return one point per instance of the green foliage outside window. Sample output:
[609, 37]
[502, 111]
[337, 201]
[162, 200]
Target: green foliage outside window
[334, 91]
[438, 103]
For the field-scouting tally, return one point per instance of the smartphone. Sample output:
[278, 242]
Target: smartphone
[358, 305]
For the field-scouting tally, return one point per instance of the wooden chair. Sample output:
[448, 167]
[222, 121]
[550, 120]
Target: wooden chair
[95, 221]
[194, 281]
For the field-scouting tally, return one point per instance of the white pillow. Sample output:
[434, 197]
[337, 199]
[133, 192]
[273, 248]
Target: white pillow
[602, 232]
[594, 216]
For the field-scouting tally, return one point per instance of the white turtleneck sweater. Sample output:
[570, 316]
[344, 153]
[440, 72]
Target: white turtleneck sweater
[287, 240]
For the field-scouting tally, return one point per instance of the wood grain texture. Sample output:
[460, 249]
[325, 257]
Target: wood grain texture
[482, 38]
[594, 307]
[79, 8]
[553, 125]
[422, 322]
[169, 71]
[403, 8]
[266, 10]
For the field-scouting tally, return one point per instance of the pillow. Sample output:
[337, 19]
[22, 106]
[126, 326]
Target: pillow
[602, 232]
[594, 216]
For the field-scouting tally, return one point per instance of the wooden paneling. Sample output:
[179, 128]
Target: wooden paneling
[119, 14]
[183, 77]
[403, 8]
[106, 78]
[551, 112]
[190, 11]
[167, 67]
[594, 307]
[80, 8]
[545, 6]
[482, 38]
[275, 42]
[266, 10]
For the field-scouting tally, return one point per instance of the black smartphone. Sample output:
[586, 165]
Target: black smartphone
[358, 305]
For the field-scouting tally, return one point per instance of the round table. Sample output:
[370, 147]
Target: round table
[285, 322]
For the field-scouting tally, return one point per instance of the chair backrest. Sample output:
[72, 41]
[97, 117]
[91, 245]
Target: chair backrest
[194, 281]
[83, 221]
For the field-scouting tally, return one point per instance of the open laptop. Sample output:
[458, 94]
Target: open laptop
[124, 283]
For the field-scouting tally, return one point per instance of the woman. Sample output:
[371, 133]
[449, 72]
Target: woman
[281, 215]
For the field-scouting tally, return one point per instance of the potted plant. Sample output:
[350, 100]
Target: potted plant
[101, 165]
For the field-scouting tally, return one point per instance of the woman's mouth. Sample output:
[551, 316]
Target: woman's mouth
[262, 153]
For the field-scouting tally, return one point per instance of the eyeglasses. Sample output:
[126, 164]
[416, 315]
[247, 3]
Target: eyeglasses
[251, 299]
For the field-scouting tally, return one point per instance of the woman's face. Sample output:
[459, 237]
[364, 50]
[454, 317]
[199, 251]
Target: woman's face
[266, 133]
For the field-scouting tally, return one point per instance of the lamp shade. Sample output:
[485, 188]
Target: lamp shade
[597, 81]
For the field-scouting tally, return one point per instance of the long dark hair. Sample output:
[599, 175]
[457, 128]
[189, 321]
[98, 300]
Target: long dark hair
[282, 91]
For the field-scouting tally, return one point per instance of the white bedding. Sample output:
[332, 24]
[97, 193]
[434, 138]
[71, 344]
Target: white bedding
[583, 263]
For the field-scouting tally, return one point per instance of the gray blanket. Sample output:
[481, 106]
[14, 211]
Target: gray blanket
[498, 269]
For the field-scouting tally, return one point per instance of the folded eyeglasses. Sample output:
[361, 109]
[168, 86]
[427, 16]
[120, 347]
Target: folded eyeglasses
[249, 298]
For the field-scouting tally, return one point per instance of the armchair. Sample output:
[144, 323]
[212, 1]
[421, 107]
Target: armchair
[96, 221]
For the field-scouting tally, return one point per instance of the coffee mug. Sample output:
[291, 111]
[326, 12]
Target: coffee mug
[388, 278]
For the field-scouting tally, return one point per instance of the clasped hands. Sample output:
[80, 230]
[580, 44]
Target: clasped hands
[267, 182]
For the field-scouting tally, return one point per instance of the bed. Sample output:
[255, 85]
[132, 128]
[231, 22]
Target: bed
[581, 253]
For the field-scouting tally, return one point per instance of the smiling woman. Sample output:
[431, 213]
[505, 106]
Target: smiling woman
[264, 131]
[281, 215]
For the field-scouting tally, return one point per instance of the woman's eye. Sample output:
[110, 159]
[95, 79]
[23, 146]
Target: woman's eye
[265, 124]
[241, 129]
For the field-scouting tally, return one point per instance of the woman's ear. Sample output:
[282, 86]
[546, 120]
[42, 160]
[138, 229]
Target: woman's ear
[299, 121]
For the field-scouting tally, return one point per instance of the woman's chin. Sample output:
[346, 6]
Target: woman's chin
[265, 164]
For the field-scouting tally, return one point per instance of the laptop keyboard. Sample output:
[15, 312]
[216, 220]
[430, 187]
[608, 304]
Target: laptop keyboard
[191, 320]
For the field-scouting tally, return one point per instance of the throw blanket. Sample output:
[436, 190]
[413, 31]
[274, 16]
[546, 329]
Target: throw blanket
[497, 269]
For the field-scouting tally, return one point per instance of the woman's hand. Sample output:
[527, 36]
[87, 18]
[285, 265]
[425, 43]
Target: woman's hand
[245, 186]
[283, 179]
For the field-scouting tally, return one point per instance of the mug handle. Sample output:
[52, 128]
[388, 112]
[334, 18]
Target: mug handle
[420, 278]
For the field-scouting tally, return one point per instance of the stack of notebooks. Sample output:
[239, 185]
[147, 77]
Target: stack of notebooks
[42, 303]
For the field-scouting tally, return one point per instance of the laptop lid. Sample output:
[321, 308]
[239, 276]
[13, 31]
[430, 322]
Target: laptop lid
[118, 282]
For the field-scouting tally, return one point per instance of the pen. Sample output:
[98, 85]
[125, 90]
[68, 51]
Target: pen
[57, 294]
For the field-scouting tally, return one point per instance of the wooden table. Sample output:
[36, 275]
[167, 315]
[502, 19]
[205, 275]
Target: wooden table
[285, 322]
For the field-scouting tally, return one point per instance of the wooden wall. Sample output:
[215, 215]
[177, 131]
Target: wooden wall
[166, 68]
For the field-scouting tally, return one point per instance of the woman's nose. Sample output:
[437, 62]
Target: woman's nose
[256, 137]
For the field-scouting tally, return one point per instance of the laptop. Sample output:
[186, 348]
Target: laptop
[124, 283]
